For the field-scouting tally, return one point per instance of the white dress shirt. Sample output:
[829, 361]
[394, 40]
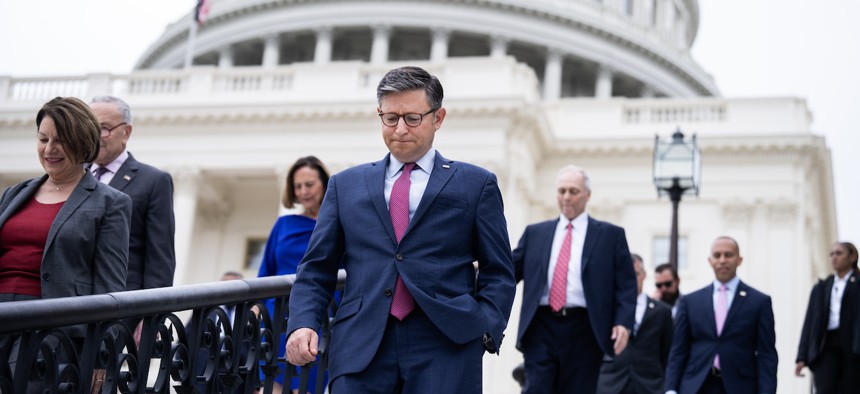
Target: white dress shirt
[641, 304]
[836, 300]
[575, 293]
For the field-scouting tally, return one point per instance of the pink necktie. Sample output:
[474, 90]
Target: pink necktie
[99, 172]
[720, 311]
[558, 289]
[398, 209]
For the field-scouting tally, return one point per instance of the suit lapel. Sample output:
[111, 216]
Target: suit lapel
[708, 310]
[125, 173]
[737, 303]
[591, 236]
[545, 235]
[79, 195]
[375, 181]
[438, 178]
[26, 192]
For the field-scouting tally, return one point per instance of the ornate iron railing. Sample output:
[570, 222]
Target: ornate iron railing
[204, 354]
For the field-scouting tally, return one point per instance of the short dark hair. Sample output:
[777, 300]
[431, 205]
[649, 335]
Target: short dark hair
[77, 127]
[635, 256]
[410, 78]
[289, 199]
[666, 266]
[852, 252]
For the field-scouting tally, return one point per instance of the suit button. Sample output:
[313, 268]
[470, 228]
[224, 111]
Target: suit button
[388, 292]
[399, 257]
[46, 276]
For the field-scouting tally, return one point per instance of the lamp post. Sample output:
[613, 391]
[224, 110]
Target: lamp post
[677, 165]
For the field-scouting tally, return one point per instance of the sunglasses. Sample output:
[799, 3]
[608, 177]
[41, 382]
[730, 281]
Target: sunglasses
[667, 284]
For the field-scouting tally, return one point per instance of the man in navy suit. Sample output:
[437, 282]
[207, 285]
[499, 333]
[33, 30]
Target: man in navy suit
[416, 315]
[151, 256]
[724, 334]
[579, 294]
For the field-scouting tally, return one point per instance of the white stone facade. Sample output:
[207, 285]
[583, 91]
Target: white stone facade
[229, 133]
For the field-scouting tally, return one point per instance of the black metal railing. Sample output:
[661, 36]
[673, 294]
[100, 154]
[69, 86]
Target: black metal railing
[204, 354]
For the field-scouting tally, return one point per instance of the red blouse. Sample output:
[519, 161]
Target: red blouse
[22, 242]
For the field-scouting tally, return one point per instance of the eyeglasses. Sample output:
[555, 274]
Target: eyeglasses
[106, 130]
[667, 284]
[391, 119]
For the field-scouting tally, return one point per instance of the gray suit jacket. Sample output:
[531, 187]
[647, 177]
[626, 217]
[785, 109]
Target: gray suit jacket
[151, 255]
[87, 247]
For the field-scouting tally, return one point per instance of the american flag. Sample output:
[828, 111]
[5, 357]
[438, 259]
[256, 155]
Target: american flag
[201, 12]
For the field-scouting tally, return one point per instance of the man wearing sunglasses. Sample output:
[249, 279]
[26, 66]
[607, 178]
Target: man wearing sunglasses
[667, 282]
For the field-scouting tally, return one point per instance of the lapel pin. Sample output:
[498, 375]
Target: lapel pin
[743, 293]
[853, 279]
[445, 166]
[126, 177]
[650, 305]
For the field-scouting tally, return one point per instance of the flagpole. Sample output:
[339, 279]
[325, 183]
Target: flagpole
[192, 34]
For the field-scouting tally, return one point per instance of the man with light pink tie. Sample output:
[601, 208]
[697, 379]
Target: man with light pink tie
[416, 316]
[579, 293]
[724, 338]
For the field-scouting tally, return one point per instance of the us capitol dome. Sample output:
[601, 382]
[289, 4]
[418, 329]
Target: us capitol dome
[530, 86]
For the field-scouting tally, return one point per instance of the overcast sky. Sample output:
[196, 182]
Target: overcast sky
[753, 48]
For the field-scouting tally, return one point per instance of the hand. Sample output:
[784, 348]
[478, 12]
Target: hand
[620, 335]
[798, 369]
[136, 334]
[98, 380]
[302, 346]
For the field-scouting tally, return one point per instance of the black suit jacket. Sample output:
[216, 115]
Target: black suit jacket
[818, 313]
[151, 255]
[642, 364]
[607, 277]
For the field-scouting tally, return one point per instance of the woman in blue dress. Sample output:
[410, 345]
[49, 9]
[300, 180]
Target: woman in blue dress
[288, 241]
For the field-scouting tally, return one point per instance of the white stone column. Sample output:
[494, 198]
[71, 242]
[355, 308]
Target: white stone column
[225, 57]
[439, 50]
[322, 53]
[603, 85]
[186, 189]
[379, 50]
[498, 46]
[552, 75]
[272, 50]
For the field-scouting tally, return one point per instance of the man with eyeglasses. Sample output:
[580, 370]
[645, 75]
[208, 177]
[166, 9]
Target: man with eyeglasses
[668, 286]
[416, 315]
[151, 256]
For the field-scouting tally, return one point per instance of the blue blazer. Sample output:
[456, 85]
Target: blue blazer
[459, 221]
[87, 247]
[151, 255]
[746, 347]
[608, 279]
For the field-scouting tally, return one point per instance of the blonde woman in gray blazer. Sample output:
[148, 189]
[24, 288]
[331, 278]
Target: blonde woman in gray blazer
[78, 226]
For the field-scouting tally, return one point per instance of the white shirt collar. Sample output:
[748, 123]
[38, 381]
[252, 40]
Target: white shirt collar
[425, 163]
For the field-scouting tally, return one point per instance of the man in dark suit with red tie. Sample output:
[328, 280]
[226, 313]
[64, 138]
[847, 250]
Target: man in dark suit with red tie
[724, 334]
[579, 293]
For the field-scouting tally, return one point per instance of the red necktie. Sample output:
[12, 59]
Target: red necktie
[398, 209]
[558, 289]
